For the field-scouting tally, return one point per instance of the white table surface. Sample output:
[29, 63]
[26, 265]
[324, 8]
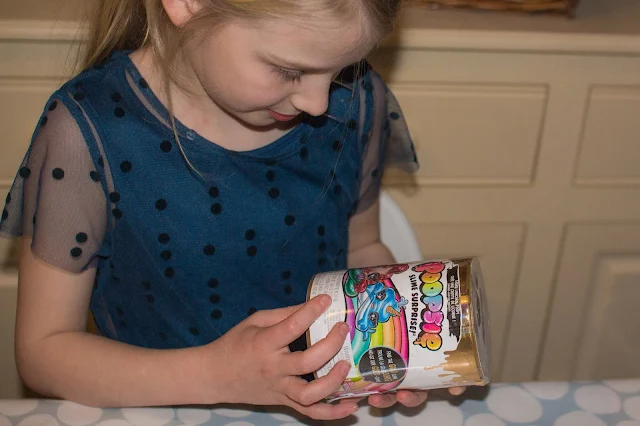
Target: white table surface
[597, 403]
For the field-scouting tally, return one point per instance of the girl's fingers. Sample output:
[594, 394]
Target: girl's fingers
[307, 393]
[319, 354]
[411, 398]
[296, 324]
[457, 390]
[324, 411]
[382, 400]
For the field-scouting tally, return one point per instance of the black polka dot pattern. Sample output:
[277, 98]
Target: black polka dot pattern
[95, 176]
[209, 250]
[216, 314]
[285, 275]
[161, 204]
[213, 283]
[271, 175]
[289, 220]
[250, 235]
[394, 116]
[352, 124]
[304, 153]
[166, 255]
[81, 237]
[114, 197]
[117, 213]
[24, 172]
[194, 331]
[116, 97]
[274, 193]
[58, 174]
[252, 251]
[166, 146]
[53, 105]
[118, 112]
[76, 252]
[214, 298]
[126, 166]
[164, 238]
[216, 208]
[169, 272]
[288, 289]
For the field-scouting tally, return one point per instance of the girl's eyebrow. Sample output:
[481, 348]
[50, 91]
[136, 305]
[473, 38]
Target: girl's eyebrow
[292, 65]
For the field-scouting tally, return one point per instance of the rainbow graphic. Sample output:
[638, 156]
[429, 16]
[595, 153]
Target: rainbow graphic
[376, 318]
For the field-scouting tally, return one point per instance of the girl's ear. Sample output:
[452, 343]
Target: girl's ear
[181, 11]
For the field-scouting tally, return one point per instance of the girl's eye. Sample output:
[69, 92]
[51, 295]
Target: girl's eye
[288, 75]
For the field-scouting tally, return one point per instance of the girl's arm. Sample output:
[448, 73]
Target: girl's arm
[57, 357]
[365, 247]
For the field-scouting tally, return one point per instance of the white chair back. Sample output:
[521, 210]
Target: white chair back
[396, 231]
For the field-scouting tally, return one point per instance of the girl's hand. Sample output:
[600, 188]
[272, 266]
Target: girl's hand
[406, 398]
[255, 366]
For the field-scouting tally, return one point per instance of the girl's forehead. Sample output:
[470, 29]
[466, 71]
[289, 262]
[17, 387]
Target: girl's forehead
[323, 41]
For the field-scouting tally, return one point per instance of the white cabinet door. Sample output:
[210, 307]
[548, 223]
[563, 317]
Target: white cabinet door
[516, 149]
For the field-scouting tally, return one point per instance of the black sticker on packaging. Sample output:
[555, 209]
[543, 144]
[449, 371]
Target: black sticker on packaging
[453, 295]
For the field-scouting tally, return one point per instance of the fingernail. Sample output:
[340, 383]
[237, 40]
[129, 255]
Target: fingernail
[325, 300]
[344, 328]
[345, 368]
[353, 408]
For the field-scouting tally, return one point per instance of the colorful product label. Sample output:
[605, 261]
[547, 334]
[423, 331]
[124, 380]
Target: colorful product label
[403, 320]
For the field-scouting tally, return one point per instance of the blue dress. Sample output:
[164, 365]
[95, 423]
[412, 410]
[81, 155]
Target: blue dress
[183, 255]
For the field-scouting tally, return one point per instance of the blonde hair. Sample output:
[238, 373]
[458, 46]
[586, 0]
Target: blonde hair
[132, 24]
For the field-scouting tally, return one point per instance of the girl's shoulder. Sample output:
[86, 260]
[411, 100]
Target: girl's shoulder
[103, 85]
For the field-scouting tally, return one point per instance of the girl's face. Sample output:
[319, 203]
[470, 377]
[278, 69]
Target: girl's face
[268, 71]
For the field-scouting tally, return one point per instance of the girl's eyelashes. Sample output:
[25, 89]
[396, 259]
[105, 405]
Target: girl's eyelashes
[288, 76]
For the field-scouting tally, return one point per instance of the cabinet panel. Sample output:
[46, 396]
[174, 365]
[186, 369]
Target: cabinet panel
[612, 327]
[498, 247]
[610, 153]
[597, 289]
[474, 134]
[23, 102]
[10, 386]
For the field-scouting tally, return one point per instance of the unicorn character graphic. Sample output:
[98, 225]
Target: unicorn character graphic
[357, 280]
[378, 306]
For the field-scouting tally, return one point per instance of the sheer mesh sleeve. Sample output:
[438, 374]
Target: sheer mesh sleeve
[389, 142]
[57, 198]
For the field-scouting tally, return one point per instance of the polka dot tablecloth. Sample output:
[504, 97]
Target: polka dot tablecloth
[614, 403]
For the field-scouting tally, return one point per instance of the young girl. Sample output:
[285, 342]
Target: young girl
[212, 156]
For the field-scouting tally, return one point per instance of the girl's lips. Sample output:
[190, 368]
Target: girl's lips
[281, 117]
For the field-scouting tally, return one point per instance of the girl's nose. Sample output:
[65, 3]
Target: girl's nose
[312, 96]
